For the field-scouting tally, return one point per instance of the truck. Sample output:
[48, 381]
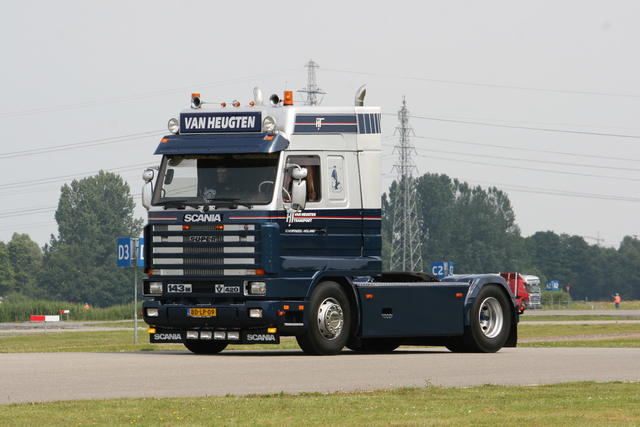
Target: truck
[264, 221]
[526, 290]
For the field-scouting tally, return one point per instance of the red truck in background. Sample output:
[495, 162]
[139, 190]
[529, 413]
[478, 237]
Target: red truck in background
[526, 289]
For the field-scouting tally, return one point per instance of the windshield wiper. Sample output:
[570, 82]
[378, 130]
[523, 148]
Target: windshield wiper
[178, 204]
[228, 202]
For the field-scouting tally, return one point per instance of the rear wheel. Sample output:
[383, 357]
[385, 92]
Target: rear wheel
[205, 347]
[490, 323]
[329, 321]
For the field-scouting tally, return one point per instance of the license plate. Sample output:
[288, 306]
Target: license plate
[202, 312]
[182, 288]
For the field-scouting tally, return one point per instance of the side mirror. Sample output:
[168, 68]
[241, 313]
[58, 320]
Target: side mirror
[299, 194]
[298, 191]
[147, 188]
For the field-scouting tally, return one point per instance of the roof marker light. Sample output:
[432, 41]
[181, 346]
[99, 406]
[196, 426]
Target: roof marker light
[236, 103]
[288, 97]
[195, 100]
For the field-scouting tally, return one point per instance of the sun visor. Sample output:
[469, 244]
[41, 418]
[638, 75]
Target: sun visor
[217, 143]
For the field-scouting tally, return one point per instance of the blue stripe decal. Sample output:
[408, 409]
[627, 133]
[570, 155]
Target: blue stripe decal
[368, 123]
[313, 123]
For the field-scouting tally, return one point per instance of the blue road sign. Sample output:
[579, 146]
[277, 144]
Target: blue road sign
[141, 252]
[442, 269]
[125, 251]
[553, 285]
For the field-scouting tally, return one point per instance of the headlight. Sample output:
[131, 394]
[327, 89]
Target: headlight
[257, 288]
[155, 288]
[269, 124]
[255, 313]
[174, 126]
[152, 312]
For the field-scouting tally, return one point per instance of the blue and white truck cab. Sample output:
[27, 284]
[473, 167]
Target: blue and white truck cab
[264, 221]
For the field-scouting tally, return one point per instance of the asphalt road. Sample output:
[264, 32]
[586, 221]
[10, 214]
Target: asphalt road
[35, 377]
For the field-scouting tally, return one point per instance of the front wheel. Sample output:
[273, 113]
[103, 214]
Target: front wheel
[329, 321]
[205, 347]
[490, 323]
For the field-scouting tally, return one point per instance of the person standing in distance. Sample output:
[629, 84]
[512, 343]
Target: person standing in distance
[616, 300]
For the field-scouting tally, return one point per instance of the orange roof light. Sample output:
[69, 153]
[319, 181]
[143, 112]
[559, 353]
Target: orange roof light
[288, 97]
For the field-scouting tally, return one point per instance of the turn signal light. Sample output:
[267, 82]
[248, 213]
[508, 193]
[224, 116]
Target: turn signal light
[459, 295]
[151, 330]
[272, 330]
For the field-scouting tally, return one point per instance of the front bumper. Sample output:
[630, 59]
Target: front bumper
[230, 322]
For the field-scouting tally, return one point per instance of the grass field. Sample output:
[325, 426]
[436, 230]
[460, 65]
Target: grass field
[569, 404]
[573, 404]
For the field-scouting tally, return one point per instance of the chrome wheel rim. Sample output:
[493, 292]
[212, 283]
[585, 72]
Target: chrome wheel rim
[330, 318]
[491, 317]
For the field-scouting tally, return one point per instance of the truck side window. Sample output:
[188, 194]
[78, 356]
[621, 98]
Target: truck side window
[312, 163]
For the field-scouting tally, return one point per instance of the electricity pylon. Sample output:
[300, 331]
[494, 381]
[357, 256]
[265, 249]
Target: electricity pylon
[406, 254]
[312, 89]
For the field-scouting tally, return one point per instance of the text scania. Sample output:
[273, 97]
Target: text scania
[202, 218]
[260, 337]
[220, 122]
[167, 337]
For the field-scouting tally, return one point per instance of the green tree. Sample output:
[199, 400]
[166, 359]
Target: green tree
[471, 226]
[80, 263]
[26, 259]
[7, 275]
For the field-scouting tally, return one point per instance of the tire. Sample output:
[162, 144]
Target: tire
[490, 323]
[329, 321]
[205, 347]
[377, 345]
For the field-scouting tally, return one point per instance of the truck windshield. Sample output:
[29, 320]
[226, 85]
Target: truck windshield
[224, 180]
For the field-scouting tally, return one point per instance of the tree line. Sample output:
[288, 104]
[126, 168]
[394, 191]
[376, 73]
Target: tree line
[79, 264]
[474, 227]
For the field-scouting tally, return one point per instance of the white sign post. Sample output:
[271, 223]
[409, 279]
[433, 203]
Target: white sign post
[130, 254]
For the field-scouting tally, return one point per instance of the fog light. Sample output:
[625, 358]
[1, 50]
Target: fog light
[255, 312]
[233, 335]
[192, 335]
[219, 335]
[152, 312]
[206, 335]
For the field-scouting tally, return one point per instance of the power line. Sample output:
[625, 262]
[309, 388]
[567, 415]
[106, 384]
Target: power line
[83, 144]
[454, 82]
[527, 127]
[533, 150]
[143, 95]
[517, 159]
[67, 177]
[531, 169]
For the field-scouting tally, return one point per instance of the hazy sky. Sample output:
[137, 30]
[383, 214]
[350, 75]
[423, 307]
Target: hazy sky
[538, 98]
